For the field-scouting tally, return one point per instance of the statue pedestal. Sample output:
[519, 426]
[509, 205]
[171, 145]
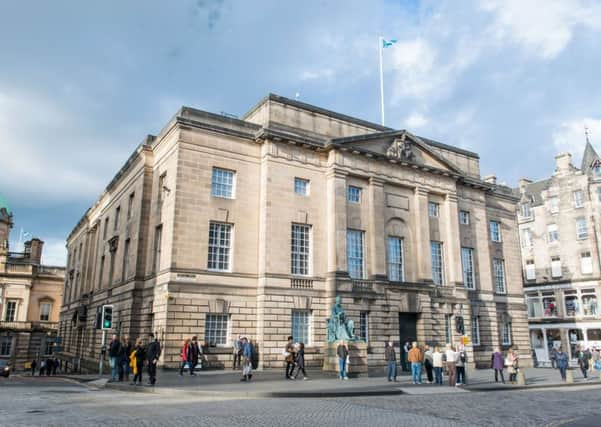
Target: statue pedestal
[357, 365]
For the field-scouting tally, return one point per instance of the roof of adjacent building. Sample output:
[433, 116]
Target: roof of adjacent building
[589, 156]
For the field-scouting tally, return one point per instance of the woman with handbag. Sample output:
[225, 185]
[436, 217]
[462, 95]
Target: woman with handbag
[184, 356]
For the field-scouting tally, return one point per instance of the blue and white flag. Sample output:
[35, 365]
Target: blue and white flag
[388, 43]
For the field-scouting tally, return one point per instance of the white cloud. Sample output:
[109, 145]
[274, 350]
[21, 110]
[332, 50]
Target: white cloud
[317, 74]
[54, 252]
[415, 121]
[413, 62]
[569, 137]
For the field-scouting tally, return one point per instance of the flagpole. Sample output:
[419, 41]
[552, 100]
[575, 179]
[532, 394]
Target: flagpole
[380, 41]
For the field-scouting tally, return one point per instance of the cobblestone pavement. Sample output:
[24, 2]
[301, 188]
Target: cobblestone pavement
[57, 402]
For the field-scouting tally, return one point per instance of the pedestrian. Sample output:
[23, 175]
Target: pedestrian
[33, 365]
[184, 357]
[300, 361]
[553, 357]
[562, 362]
[390, 356]
[415, 357]
[114, 354]
[428, 363]
[137, 357]
[193, 354]
[247, 354]
[596, 359]
[343, 356]
[437, 357]
[497, 363]
[450, 364]
[55, 365]
[513, 364]
[289, 357]
[49, 365]
[238, 347]
[127, 348]
[153, 352]
[460, 361]
[404, 353]
[42, 367]
[583, 358]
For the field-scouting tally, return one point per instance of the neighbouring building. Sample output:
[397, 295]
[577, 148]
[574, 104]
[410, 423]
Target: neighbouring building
[218, 227]
[559, 230]
[30, 298]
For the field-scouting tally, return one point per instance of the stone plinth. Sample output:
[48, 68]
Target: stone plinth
[357, 365]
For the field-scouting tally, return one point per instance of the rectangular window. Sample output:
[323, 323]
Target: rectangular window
[535, 307]
[6, 344]
[467, 261]
[464, 218]
[101, 272]
[300, 254]
[158, 237]
[526, 238]
[216, 329]
[222, 183]
[525, 210]
[433, 210]
[130, 205]
[530, 270]
[125, 265]
[589, 303]
[578, 199]
[556, 267]
[499, 272]
[301, 186]
[552, 233]
[549, 305]
[554, 204]
[581, 229]
[106, 228]
[437, 262]
[396, 271]
[10, 312]
[475, 330]
[570, 299]
[161, 189]
[448, 328]
[506, 339]
[495, 231]
[353, 194]
[45, 309]
[354, 253]
[117, 217]
[111, 269]
[48, 345]
[301, 326]
[364, 325]
[220, 237]
[586, 263]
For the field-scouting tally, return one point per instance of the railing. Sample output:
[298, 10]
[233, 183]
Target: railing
[301, 283]
[17, 326]
[55, 271]
[362, 286]
[18, 268]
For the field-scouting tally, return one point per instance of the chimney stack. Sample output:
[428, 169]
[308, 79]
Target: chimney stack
[563, 164]
[34, 248]
[491, 179]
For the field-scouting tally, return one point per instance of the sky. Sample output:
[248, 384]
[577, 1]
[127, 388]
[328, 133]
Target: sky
[82, 83]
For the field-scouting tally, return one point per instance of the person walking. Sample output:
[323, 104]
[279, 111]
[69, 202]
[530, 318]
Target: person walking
[415, 357]
[390, 356]
[289, 357]
[55, 365]
[404, 354]
[562, 362]
[127, 348]
[513, 363]
[428, 363]
[247, 354]
[137, 357]
[153, 352]
[114, 353]
[460, 361]
[343, 355]
[450, 357]
[193, 354]
[300, 361]
[238, 347]
[33, 365]
[42, 367]
[553, 357]
[437, 357]
[497, 363]
[583, 358]
[184, 357]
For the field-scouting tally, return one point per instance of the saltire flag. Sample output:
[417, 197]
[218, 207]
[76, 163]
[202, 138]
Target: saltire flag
[388, 43]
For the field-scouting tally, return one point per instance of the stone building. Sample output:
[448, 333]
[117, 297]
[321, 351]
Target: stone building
[559, 229]
[30, 298]
[218, 227]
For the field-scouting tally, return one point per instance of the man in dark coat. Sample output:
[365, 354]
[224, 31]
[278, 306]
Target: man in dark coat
[114, 354]
[193, 354]
[153, 352]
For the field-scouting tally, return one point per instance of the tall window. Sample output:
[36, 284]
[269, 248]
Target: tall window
[495, 231]
[589, 302]
[222, 183]
[506, 338]
[106, 228]
[161, 188]
[552, 233]
[464, 217]
[526, 238]
[10, 312]
[525, 210]
[300, 249]
[586, 263]
[111, 270]
[433, 209]
[216, 329]
[499, 272]
[125, 265]
[48, 347]
[354, 253]
[578, 199]
[475, 330]
[45, 309]
[448, 328]
[530, 270]
[437, 262]
[396, 271]
[301, 186]
[554, 204]
[581, 229]
[117, 217]
[467, 260]
[353, 194]
[6, 344]
[130, 205]
[301, 326]
[570, 299]
[101, 272]
[364, 325]
[556, 267]
[158, 237]
[220, 236]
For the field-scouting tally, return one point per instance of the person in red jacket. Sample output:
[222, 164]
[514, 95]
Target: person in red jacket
[184, 356]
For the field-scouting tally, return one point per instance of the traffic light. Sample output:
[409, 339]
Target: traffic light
[107, 317]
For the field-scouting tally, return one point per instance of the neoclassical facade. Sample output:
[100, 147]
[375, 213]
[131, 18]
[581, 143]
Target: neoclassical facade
[30, 298]
[559, 228]
[218, 227]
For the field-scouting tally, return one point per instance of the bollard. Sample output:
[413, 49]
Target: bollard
[521, 378]
[569, 376]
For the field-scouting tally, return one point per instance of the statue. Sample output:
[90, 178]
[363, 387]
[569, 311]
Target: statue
[338, 326]
[401, 149]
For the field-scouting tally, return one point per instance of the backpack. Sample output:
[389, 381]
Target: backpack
[462, 357]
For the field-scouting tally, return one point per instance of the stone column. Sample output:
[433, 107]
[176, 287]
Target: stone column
[422, 236]
[452, 242]
[336, 227]
[376, 235]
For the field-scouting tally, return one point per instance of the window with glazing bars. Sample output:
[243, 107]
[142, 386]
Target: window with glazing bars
[301, 186]
[364, 325]
[437, 262]
[219, 246]
[216, 329]
[301, 326]
[11, 311]
[506, 339]
[354, 253]
[300, 249]
[222, 183]
[475, 330]
[395, 259]
[467, 259]
[499, 273]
